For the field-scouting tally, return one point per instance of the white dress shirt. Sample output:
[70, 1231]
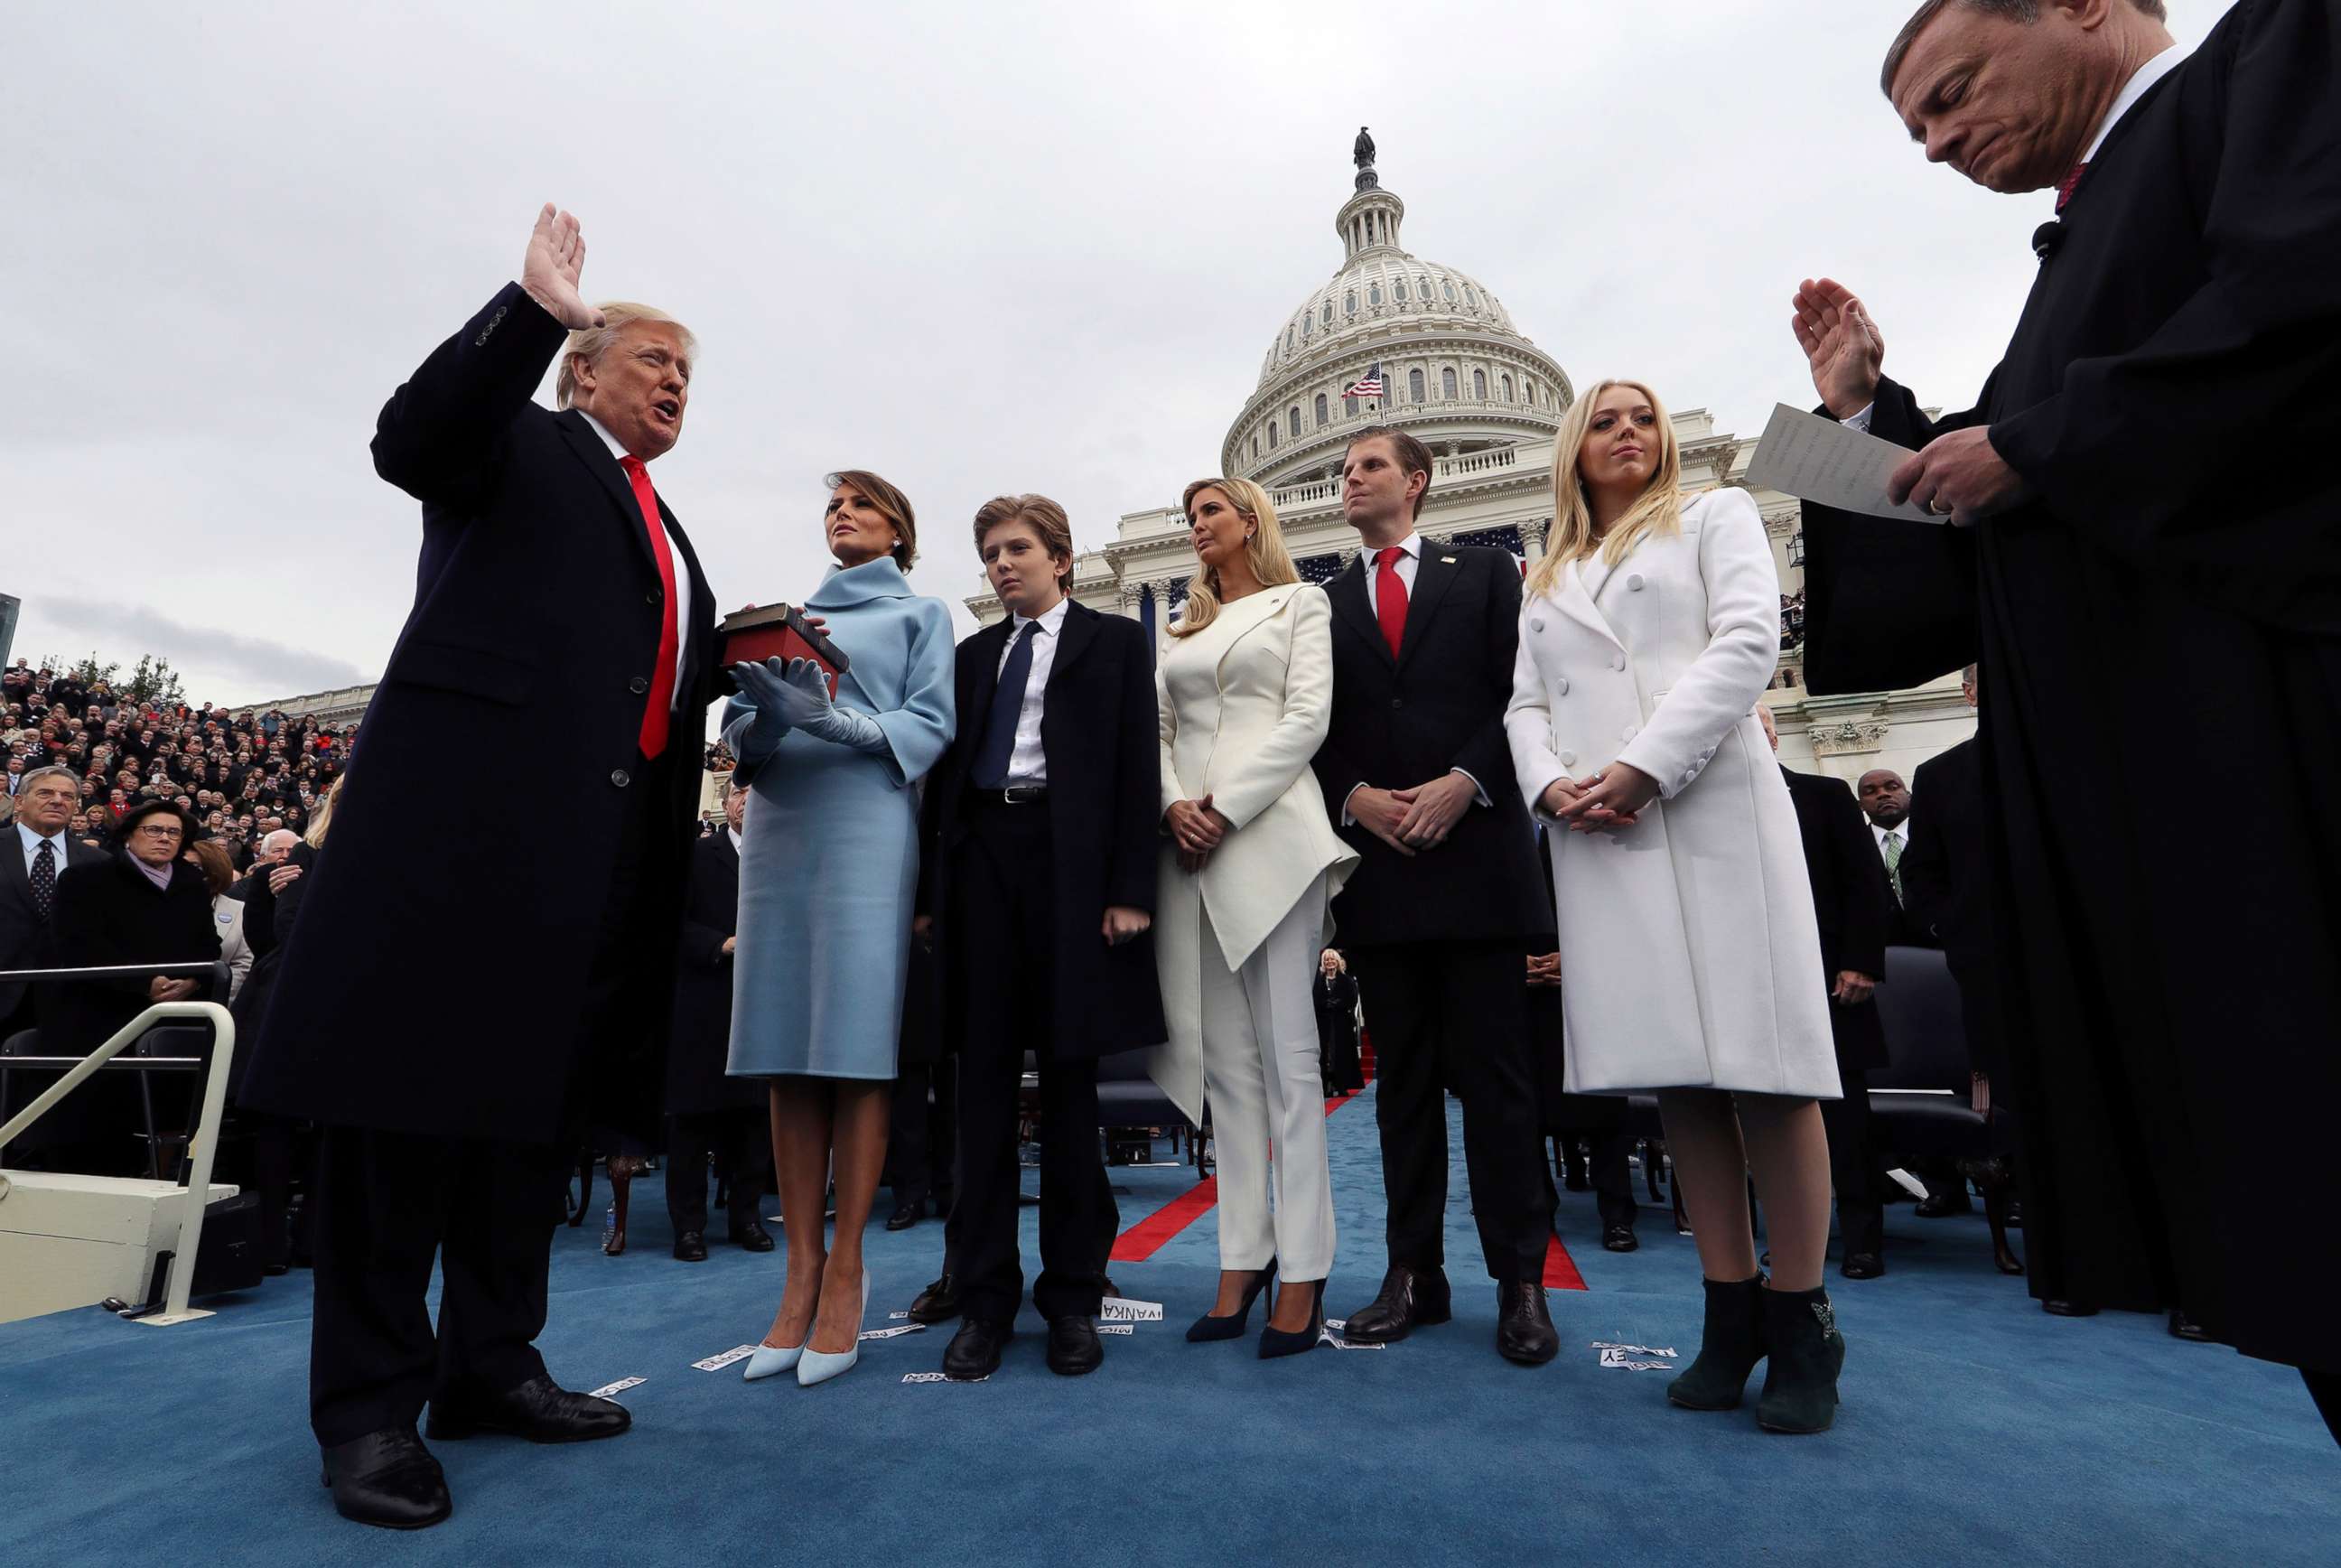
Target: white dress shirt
[1028, 765]
[1406, 566]
[32, 842]
[735, 838]
[2141, 80]
[679, 604]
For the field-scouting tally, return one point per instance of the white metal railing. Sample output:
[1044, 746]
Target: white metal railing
[200, 1152]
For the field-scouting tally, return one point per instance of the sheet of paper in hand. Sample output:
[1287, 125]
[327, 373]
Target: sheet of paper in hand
[1817, 459]
[780, 631]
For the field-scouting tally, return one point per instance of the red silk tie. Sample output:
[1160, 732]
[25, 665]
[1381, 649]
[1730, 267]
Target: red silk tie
[2065, 191]
[654, 717]
[1390, 598]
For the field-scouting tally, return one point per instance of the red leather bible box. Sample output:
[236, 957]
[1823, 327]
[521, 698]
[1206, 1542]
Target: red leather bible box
[780, 631]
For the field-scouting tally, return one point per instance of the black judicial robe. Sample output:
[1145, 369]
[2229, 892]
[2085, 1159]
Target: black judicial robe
[2159, 630]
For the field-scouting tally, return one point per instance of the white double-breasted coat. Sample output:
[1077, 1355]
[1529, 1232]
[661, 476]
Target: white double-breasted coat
[1689, 955]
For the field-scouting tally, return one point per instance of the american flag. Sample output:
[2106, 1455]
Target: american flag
[1367, 385]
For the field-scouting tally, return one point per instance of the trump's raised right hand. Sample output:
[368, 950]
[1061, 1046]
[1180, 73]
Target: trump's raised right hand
[549, 271]
[1841, 343]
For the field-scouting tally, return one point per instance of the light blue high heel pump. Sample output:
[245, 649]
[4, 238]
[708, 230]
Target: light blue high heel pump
[771, 1361]
[819, 1366]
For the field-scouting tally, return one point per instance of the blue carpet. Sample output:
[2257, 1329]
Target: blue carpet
[1974, 1429]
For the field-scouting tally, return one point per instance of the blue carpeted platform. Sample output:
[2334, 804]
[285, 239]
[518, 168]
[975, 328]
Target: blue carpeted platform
[1974, 1429]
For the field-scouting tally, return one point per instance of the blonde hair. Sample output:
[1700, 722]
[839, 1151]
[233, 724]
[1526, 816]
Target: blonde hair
[589, 343]
[323, 818]
[1264, 552]
[1658, 511]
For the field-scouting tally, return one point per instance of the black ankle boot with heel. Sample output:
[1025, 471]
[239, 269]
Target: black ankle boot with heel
[1806, 1352]
[1729, 1346]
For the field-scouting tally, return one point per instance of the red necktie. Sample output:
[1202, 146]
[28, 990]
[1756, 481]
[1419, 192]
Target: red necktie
[1390, 598]
[2065, 191]
[654, 717]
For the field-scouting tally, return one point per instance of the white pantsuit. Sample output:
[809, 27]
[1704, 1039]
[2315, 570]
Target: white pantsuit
[1689, 954]
[1261, 1071]
[1243, 706]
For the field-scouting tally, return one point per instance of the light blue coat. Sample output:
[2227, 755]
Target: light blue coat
[829, 860]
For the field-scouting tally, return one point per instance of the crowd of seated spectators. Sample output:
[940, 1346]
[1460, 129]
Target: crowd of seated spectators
[239, 773]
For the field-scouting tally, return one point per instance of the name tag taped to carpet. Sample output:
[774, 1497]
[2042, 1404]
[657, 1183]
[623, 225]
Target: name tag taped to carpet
[1624, 1360]
[610, 1390]
[1120, 1309]
[1117, 1328]
[896, 1332]
[1330, 1334]
[718, 1363]
[938, 1377]
[1637, 1349]
[897, 1317]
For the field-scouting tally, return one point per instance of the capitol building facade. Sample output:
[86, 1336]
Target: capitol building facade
[1458, 375]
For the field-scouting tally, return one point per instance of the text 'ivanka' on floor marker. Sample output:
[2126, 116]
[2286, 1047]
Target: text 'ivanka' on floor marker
[1120, 1309]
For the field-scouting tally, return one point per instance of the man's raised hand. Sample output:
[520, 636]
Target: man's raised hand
[1843, 345]
[557, 255]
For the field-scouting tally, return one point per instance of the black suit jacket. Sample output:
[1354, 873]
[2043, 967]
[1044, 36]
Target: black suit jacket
[1853, 903]
[110, 914]
[1944, 882]
[1401, 722]
[1098, 733]
[701, 1042]
[26, 941]
[536, 621]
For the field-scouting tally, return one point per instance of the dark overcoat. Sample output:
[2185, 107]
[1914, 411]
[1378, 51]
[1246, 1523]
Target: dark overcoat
[1852, 904]
[537, 616]
[700, 1040]
[1402, 722]
[1098, 733]
[2169, 590]
[28, 941]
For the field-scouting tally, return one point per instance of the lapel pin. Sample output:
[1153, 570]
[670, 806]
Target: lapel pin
[1446, 560]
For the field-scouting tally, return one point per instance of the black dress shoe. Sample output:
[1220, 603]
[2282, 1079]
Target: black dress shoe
[1938, 1205]
[387, 1478]
[1074, 1347]
[2187, 1328]
[751, 1237]
[1409, 1299]
[906, 1215]
[1619, 1239]
[690, 1247]
[1524, 1331]
[974, 1350]
[538, 1410]
[2054, 1308]
[1862, 1267]
[939, 1303]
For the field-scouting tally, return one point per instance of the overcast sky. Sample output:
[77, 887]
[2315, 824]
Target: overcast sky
[977, 248]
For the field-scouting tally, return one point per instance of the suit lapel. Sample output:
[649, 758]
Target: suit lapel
[13, 874]
[985, 683]
[1575, 603]
[1348, 592]
[1434, 573]
[1075, 633]
[588, 448]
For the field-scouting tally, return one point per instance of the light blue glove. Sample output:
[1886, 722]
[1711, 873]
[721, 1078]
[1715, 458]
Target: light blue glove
[764, 688]
[804, 704]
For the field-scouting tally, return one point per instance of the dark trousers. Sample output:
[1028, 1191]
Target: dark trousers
[740, 1140]
[386, 1203]
[1453, 1014]
[2325, 1388]
[1003, 931]
[1606, 1163]
[921, 1148]
[1853, 1168]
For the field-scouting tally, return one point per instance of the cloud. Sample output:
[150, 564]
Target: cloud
[123, 632]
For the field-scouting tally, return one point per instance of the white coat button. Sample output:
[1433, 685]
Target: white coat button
[1536, 626]
[1560, 685]
[1616, 660]
[1690, 776]
[1633, 582]
[1630, 732]
[1569, 759]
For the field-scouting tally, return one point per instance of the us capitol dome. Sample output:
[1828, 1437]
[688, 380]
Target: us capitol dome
[1458, 373]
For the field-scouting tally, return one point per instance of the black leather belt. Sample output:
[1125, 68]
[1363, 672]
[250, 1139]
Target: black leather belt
[1015, 794]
